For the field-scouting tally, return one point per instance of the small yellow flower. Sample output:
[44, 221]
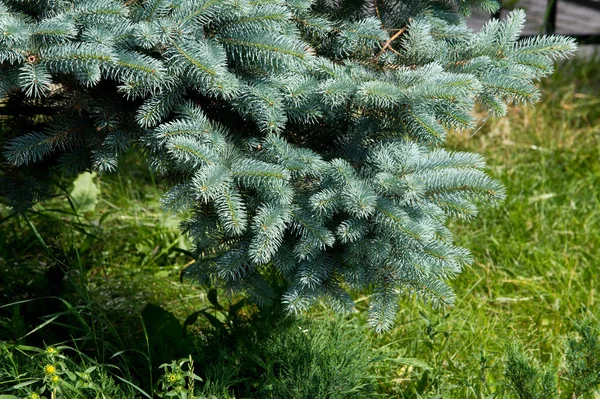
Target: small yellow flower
[55, 378]
[34, 396]
[172, 378]
[51, 349]
[50, 369]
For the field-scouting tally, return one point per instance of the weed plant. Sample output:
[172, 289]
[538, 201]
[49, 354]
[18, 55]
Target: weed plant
[36, 373]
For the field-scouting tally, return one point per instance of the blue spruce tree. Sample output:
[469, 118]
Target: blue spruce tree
[305, 137]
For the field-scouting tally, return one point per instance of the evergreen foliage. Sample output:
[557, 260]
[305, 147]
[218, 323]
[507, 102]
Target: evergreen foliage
[303, 137]
[583, 358]
[526, 379]
[580, 376]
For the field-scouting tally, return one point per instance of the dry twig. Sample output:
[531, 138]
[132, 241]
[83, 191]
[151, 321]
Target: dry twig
[388, 43]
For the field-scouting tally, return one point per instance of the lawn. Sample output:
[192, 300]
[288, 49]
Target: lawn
[536, 261]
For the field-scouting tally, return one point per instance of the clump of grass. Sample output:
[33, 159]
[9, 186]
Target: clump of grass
[119, 257]
[269, 355]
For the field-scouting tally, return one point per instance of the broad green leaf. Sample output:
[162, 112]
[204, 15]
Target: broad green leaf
[85, 192]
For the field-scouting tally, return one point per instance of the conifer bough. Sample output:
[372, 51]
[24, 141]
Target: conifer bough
[305, 138]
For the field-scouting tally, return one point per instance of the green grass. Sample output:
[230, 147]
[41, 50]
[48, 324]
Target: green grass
[537, 256]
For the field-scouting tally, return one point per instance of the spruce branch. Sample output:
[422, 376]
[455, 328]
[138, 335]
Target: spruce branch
[302, 140]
